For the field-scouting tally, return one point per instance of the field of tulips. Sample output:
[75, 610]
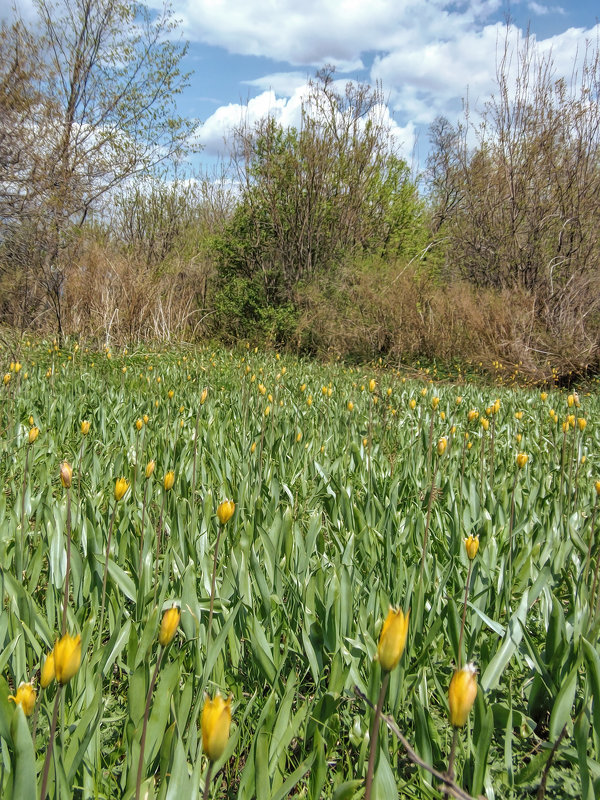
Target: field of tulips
[239, 575]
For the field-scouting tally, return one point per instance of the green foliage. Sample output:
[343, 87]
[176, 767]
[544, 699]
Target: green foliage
[331, 508]
[317, 198]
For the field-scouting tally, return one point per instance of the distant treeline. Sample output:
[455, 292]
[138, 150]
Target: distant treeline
[317, 238]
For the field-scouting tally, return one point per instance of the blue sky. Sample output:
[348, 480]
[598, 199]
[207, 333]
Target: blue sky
[253, 57]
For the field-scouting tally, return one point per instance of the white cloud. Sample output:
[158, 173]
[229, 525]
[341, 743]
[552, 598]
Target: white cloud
[216, 133]
[326, 31]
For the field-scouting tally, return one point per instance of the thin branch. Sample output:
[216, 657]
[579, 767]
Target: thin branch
[450, 786]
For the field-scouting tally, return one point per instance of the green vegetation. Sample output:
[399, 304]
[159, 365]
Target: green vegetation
[354, 490]
[317, 238]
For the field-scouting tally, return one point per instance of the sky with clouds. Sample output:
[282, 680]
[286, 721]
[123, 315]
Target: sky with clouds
[253, 57]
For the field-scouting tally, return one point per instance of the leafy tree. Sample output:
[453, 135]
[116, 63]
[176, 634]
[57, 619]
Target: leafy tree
[312, 199]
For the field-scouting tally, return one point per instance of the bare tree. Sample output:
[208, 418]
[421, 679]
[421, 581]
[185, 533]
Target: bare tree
[106, 79]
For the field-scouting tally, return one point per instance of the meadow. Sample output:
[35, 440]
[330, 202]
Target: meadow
[353, 490]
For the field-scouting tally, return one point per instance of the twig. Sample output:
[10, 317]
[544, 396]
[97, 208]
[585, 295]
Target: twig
[451, 787]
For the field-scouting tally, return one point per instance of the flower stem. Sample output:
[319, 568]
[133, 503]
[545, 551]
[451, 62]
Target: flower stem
[158, 541]
[207, 780]
[110, 530]
[464, 616]
[68, 569]
[50, 744]
[212, 587]
[138, 782]
[375, 737]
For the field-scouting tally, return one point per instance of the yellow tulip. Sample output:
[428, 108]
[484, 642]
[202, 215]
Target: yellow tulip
[150, 468]
[66, 474]
[441, 446]
[169, 480]
[85, 427]
[170, 393]
[544, 396]
[225, 511]
[412, 403]
[67, 657]
[169, 625]
[139, 423]
[392, 639]
[350, 405]
[581, 422]
[597, 487]
[25, 697]
[121, 486]
[216, 720]
[472, 546]
[372, 385]
[146, 419]
[462, 694]
[522, 459]
[33, 434]
[472, 415]
[435, 401]
[485, 424]
[48, 672]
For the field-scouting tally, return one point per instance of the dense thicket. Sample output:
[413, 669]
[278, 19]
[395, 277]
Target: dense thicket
[318, 237]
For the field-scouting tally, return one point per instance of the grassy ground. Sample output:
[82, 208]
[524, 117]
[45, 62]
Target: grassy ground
[354, 490]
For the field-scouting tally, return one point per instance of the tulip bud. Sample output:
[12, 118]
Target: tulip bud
[597, 484]
[169, 480]
[48, 673]
[435, 401]
[67, 657]
[170, 394]
[225, 511]
[216, 720]
[25, 697]
[350, 405]
[544, 396]
[581, 422]
[441, 446]
[462, 694]
[253, 447]
[485, 424]
[139, 424]
[522, 459]
[412, 403]
[472, 546]
[66, 474]
[146, 419]
[472, 415]
[392, 639]
[169, 625]
[33, 434]
[150, 468]
[372, 385]
[85, 427]
[121, 486]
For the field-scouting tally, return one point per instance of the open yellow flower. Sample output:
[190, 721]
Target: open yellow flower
[24, 697]
[67, 657]
[462, 694]
[225, 511]
[392, 639]
[216, 720]
[121, 486]
[522, 459]
[169, 625]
